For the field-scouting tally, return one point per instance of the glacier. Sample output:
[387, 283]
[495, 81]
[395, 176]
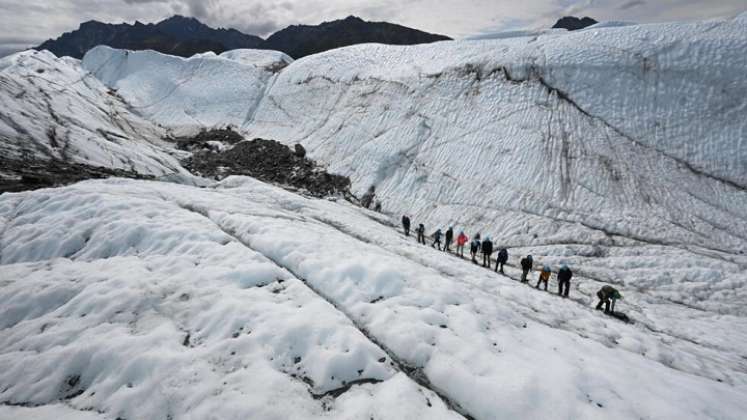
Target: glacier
[244, 300]
[52, 109]
[617, 149]
[588, 147]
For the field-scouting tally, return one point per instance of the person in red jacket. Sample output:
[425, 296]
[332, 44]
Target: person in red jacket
[461, 241]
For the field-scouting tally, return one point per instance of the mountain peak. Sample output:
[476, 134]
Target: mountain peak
[91, 23]
[180, 20]
[352, 18]
[573, 23]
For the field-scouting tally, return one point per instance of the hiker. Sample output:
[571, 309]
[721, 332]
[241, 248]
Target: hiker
[406, 224]
[487, 250]
[544, 276]
[368, 197]
[608, 295]
[377, 207]
[526, 267]
[421, 234]
[502, 259]
[449, 239]
[564, 280]
[461, 241]
[474, 247]
[437, 239]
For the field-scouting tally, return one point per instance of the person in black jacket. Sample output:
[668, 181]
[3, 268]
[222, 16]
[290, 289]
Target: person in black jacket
[526, 267]
[449, 238]
[474, 247]
[564, 280]
[502, 259]
[421, 234]
[437, 239]
[406, 224]
[487, 250]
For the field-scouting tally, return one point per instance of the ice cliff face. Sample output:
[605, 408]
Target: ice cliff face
[630, 131]
[188, 94]
[52, 109]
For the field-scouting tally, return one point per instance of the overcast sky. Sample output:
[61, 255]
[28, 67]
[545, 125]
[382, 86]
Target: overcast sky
[27, 23]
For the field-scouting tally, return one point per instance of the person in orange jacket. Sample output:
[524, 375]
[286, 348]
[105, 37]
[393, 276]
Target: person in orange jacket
[461, 241]
[544, 277]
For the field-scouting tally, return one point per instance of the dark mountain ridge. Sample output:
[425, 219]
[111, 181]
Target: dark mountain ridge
[177, 35]
[302, 40]
[186, 36]
[573, 23]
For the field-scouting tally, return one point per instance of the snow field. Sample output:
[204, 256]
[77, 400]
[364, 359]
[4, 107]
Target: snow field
[671, 346]
[158, 313]
[491, 346]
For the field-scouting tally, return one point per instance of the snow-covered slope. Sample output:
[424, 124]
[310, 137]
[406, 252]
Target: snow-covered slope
[138, 299]
[187, 94]
[51, 109]
[590, 145]
[617, 149]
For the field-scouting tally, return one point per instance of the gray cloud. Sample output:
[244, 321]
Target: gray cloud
[631, 4]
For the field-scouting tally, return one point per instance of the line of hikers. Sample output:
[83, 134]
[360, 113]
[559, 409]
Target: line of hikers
[607, 295]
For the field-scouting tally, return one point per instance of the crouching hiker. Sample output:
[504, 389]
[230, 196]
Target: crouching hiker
[502, 259]
[461, 241]
[406, 224]
[564, 280]
[526, 267]
[487, 251]
[474, 247]
[544, 276]
[608, 295]
[421, 234]
[437, 239]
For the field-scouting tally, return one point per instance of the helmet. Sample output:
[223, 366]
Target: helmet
[529, 257]
[564, 267]
[546, 268]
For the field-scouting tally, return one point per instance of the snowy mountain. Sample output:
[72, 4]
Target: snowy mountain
[615, 149]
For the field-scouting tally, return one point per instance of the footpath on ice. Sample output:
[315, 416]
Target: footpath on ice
[140, 299]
